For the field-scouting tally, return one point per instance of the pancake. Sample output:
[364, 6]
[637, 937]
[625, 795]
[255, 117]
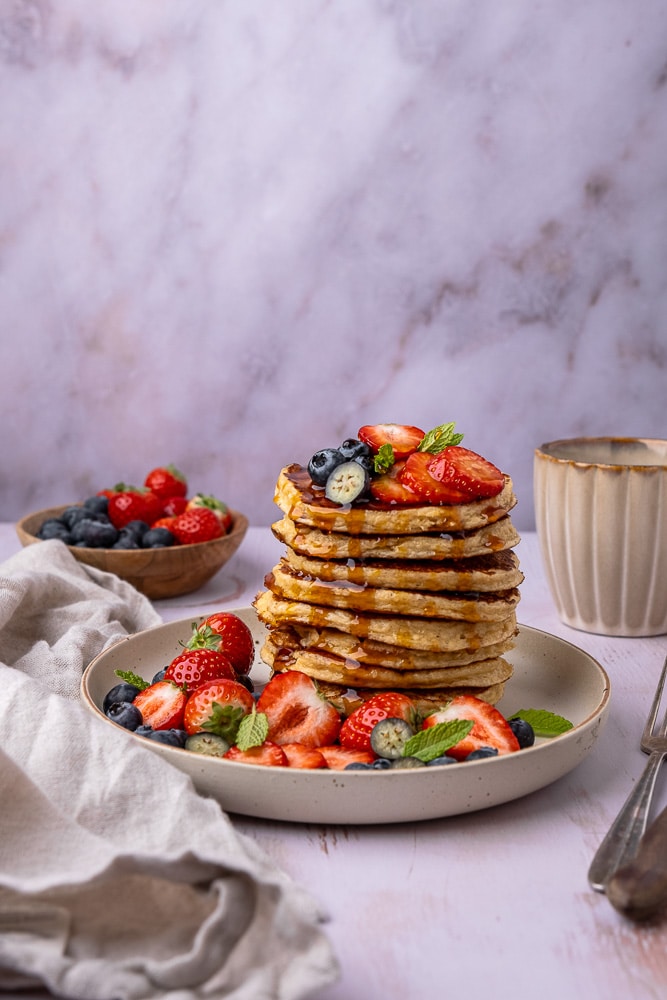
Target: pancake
[336, 669]
[308, 541]
[346, 699]
[361, 651]
[493, 572]
[468, 606]
[397, 630]
[296, 498]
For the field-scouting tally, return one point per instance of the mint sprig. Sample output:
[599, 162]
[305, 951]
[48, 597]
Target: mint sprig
[385, 458]
[544, 723]
[253, 730]
[134, 679]
[441, 437]
[433, 742]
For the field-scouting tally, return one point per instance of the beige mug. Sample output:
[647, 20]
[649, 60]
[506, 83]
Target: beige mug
[601, 518]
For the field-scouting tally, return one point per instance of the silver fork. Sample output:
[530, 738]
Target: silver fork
[622, 841]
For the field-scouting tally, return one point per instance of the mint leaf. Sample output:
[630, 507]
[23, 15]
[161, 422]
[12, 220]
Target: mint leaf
[436, 740]
[440, 437]
[544, 723]
[384, 459]
[135, 679]
[253, 730]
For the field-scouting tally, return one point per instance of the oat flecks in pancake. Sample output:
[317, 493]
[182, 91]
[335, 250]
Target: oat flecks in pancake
[336, 669]
[366, 651]
[307, 541]
[493, 572]
[412, 632]
[284, 582]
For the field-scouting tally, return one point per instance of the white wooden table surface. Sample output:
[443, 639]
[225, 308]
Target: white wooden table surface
[493, 903]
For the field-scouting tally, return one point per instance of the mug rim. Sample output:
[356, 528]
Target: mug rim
[547, 449]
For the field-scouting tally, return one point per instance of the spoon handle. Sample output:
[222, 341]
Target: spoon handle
[639, 888]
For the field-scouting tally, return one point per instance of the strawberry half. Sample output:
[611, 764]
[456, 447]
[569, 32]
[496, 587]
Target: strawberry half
[467, 471]
[195, 667]
[162, 705]
[217, 707]
[297, 712]
[337, 758]
[403, 438]
[490, 728]
[298, 755]
[228, 633]
[268, 755]
[355, 733]
[196, 525]
[390, 489]
[416, 476]
[166, 481]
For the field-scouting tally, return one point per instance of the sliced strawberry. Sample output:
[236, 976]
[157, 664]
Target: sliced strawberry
[164, 522]
[217, 707]
[196, 525]
[268, 755]
[467, 471]
[490, 728]
[162, 705]
[227, 632]
[337, 758]
[166, 481]
[220, 509]
[355, 732]
[299, 755]
[195, 667]
[390, 489]
[416, 476]
[297, 712]
[403, 438]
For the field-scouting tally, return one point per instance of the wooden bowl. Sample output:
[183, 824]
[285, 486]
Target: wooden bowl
[157, 573]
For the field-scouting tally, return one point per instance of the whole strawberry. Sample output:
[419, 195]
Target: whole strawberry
[133, 505]
[196, 525]
[195, 667]
[166, 481]
[225, 631]
[220, 509]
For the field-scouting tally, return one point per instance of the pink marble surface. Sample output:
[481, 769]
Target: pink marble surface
[231, 233]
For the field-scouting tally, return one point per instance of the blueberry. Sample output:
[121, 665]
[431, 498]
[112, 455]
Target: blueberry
[439, 761]
[381, 764]
[94, 534]
[323, 463]
[125, 714]
[136, 528]
[159, 676]
[54, 528]
[144, 731]
[356, 451]
[157, 538]
[71, 515]
[125, 541]
[247, 682]
[523, 731]
[358, 765]
[389, 736]
[404, 762]
[96, 505]
[120, 692]
[170, 737]
[481, 753]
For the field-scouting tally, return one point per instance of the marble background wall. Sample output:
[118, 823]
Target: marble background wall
[233, 232]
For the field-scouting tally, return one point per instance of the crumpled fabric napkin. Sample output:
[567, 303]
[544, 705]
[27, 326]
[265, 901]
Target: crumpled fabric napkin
[117, 880]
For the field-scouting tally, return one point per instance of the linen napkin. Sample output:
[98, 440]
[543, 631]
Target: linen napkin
[118, 881]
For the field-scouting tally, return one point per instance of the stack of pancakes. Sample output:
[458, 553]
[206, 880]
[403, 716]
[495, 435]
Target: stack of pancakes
[371, 596]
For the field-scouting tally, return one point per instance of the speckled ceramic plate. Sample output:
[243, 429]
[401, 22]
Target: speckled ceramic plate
[549, 673]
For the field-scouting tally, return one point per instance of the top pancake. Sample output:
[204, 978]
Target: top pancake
[296, 497]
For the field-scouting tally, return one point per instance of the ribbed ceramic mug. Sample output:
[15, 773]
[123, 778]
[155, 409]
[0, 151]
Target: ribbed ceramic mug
[601, 518]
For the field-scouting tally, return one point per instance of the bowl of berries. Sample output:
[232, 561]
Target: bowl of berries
[158, 537]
